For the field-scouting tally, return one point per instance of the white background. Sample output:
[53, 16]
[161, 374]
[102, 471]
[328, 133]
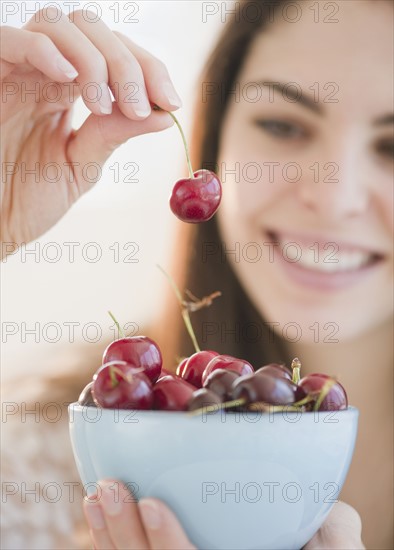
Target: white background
[81, 291]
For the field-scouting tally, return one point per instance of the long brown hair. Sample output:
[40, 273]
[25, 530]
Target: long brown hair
[232, 324]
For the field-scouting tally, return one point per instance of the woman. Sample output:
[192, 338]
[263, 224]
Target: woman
[305, 103]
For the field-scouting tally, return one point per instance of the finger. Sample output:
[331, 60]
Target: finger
[122, 516]
[19, 46]
[340, 531]
[160, 89]
[162, 527]
[126, 78]
[96, 521]
[88, 60]
[98, 137]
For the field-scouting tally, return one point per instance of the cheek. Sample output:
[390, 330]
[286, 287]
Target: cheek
[387, 205]
[248, 186]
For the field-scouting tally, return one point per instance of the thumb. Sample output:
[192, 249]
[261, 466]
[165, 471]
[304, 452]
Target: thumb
[99, 136]
[340, 531]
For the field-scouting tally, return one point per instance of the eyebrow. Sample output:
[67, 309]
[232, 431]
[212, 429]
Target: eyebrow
[292, 92]
[307, 100]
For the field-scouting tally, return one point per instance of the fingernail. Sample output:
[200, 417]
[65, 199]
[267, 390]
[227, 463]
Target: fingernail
[150, 514]
[142, 108]
[66, 67]
[110, 498]
[171, 95]
[105, 102]
[95, 515]
[142, 111]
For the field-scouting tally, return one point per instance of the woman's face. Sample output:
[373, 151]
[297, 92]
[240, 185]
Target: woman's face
[306, 160]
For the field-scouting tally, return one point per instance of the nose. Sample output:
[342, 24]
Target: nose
[336, 190]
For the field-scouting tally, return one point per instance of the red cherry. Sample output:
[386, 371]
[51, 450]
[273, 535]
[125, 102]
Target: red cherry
[269, 389]
[171, 393]
[228, 362]
[196, 200]
[195, 365]
[140, 351]
[86, 397]
[335, 400]
[203, 398]
[119, 385]
[220, 381]
[276, 370]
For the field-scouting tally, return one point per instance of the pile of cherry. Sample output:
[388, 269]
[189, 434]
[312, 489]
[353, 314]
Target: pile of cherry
[131, 377]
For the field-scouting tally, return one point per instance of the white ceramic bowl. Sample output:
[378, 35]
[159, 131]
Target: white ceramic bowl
[245, 481]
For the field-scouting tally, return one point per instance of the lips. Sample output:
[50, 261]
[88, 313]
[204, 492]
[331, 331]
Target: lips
[322, 263]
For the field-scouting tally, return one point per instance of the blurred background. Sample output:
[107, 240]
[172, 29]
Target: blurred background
[102, 255]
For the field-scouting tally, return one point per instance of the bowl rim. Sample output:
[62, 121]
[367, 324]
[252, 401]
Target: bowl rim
[77, 407]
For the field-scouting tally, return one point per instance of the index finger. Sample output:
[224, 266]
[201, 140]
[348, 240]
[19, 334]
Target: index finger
[19, 46]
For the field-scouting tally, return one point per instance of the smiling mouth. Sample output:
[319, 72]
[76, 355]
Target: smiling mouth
[323, 257]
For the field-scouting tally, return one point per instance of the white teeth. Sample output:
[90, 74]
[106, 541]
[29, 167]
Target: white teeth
[328, 262]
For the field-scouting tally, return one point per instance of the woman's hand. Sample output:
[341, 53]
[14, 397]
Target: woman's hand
[45, 67]
[116, 522]
[340, 531]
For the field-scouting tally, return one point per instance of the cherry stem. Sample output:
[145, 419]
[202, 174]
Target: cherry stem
[324, 392]
[304, 401]
[296, 368]
[120, 331]
[112, 375]
[214, 408]
[268, 407]
[174, 118]
[113, 371]
[189, 326]
[257, 406]
[185, 312]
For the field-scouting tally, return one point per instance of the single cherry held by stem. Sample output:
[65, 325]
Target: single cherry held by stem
[197, 198]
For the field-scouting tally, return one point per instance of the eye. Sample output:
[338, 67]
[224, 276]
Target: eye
[385, 147]
[281, 129]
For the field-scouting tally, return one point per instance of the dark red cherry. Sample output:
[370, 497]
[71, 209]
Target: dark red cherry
[274, 369]
[203, 398]
[227, 362]
[220, 381]
[172, 393]
[119, 385]
[299, 392]
[140, 351]
[196, 200]
[335, 400]
[86, 398]
[269, 389]
[195, 365]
